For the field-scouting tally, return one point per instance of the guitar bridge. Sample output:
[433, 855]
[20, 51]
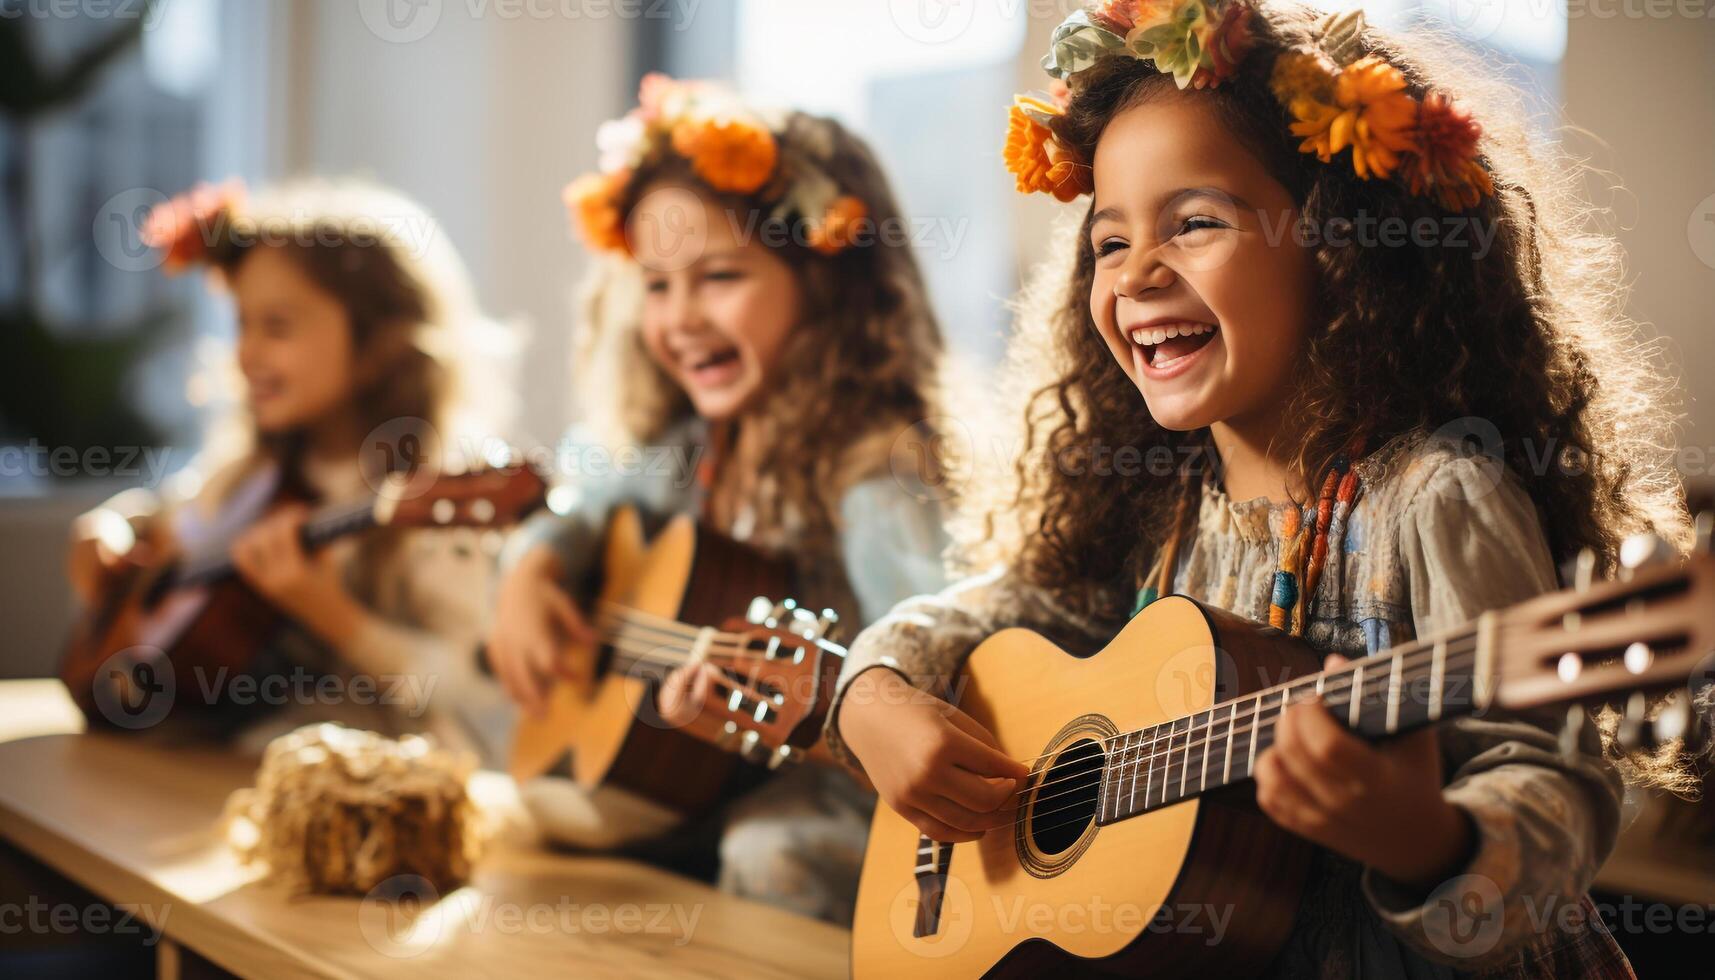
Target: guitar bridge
[933, 860]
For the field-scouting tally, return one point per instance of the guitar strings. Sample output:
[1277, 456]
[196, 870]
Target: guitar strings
[1452, 641]
[1380, 681]
[1455, 657]
[1035, 814]
[628, 635]
[1403, 652]
[1260, 728]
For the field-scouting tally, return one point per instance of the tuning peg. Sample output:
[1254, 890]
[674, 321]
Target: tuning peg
[781, 756]
[1674, 721]
[1631, 733]
[1676, 718]
[750, 747]
[826, 622]
[1702, 527]
[1584, 569]
[1572, 733]
[781, 614]
[1639, 550]
[759, 610]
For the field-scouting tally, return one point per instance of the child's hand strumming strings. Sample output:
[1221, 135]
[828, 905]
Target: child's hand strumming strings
[932, 763]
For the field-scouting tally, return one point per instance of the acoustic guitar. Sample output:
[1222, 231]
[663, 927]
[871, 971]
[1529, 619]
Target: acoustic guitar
[688, 595]
[171, 615]
[1139, 806]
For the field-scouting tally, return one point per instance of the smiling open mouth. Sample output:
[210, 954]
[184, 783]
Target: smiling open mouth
[711, 367]
[1167, 343]
[714, 359]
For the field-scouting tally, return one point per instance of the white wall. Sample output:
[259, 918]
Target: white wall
[484, 119]
[1646, 87]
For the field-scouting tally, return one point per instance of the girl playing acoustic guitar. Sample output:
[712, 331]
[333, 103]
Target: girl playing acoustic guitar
[758, 350]
[356, 329]
[1315, 263]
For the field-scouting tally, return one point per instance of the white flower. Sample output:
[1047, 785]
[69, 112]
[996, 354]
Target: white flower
[619, 143]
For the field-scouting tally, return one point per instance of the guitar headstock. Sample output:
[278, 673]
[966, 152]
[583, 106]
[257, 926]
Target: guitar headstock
[491, 497]
[777, 681]
[1651, 629]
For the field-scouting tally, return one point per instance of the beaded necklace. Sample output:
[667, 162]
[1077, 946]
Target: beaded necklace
[1304, 537]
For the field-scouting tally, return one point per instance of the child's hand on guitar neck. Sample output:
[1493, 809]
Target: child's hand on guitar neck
[1378, 804]
[932, 763]
[271, 559]
[535, 622]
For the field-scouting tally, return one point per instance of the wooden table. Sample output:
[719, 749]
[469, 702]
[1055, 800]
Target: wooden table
[138, 826]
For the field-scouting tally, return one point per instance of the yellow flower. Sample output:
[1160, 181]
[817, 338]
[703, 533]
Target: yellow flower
[732, 153]
[1371, 112]
[1036, 158]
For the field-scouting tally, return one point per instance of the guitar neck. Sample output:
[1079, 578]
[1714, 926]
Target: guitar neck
[325, 526]
[1398, 691]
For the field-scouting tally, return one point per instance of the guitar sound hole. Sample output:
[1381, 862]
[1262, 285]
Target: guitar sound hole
[1066, 798]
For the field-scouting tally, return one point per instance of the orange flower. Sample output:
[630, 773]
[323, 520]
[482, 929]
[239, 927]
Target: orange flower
[185, 226]
[1227, 45]
[1036, 158]
[836, 229]
[1445, 163]
[1303, 73]
[593, 201]
[730, 154]
[1372, 113]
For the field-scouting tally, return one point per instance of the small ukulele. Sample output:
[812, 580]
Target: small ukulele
[173, 615]
[688, 595]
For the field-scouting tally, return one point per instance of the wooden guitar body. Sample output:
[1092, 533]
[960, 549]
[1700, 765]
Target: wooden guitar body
[1135, 846]
[1054, 891]
[184, 624]
[687, 574]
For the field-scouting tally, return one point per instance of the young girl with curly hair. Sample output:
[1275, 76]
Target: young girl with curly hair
[1330, 260]
[357, 327]
[757, 340]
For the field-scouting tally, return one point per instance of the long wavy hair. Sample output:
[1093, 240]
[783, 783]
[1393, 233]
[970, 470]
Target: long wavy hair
[1529, 336]
[859, 371]
[427, 353]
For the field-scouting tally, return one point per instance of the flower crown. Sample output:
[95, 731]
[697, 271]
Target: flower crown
[185, 227]
[731, 147]
[1337, 98]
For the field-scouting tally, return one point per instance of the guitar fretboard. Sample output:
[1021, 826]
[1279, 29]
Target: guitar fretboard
[1403, 689]
[328, 525]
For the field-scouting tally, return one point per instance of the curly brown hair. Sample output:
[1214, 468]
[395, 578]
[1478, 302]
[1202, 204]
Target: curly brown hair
[428, 351]
[1528, 336]
[860, 369]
